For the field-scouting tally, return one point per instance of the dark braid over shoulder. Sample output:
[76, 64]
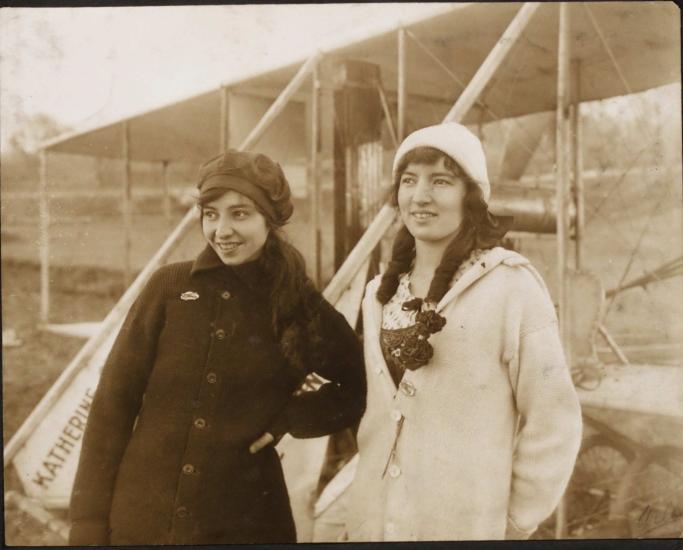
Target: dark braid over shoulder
[457, 252]
[402, 256]
[295, 303]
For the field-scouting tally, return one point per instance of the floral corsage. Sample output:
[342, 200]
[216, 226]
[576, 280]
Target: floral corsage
[415, 350]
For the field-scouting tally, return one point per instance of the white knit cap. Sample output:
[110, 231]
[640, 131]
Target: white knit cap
[458, 143]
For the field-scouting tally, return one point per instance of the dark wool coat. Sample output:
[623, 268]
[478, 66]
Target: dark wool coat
[194, 377]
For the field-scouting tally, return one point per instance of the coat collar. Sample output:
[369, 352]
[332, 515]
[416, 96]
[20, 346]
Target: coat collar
[252, 274]
[206, 260]
[487, 262]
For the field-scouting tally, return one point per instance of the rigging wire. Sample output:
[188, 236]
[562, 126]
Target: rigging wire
[479, 102]
[598, 30]
[667, 270]
[634, 158]
[618, 237]
[646, 226]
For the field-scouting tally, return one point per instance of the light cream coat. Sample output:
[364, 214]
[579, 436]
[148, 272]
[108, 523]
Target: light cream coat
[490, 436]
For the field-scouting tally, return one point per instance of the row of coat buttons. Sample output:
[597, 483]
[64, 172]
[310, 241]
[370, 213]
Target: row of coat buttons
[220, 333]
[189, 469]
[200, 423]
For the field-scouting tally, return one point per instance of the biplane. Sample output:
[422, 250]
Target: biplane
[514, 71]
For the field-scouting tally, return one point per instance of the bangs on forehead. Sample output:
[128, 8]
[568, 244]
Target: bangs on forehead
[429, 155]
[214, 194]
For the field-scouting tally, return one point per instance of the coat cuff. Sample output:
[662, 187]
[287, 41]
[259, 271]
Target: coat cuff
[89, 532]
[514, 532]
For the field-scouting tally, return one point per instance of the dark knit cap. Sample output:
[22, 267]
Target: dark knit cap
[253, 175]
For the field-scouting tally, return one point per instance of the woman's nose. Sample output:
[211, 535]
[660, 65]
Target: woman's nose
[224, 228]
[423, 192]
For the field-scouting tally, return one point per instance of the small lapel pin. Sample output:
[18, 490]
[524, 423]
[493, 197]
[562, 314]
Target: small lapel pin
[189, 295]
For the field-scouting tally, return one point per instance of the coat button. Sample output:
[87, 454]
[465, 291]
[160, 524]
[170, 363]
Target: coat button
[378, 370]
[220, 334]
[200, 423]
[390, 527]
[181, 512]
[394, 471]
[189, 469]
[396, 415]
[226, 295]
[211, 378]
[407, 388]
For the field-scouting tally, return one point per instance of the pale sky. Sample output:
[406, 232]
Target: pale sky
[86, 65]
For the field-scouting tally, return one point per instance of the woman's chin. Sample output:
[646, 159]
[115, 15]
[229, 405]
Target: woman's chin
[428, 235]
[239, 256]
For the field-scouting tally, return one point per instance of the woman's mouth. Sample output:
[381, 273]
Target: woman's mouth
[423, 215]
[228, 247]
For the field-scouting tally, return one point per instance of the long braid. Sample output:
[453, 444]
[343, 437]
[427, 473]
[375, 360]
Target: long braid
[295, 303]
[457, 252]
[402, 256]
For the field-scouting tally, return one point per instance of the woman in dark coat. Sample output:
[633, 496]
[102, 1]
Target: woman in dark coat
[203, 379]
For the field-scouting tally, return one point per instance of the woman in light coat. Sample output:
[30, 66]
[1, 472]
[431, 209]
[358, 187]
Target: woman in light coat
[472, 424]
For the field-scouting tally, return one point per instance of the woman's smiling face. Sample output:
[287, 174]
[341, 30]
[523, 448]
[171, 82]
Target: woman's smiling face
[234, 228]
[431, 201]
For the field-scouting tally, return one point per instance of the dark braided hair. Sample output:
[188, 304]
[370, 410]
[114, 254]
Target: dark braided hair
[295, 302]
[479, 229]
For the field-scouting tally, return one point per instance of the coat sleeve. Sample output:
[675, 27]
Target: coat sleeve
[549, 436]
[113, 412]
[339, 403]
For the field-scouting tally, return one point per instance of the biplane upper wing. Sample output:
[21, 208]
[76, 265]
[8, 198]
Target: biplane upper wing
[642, 39]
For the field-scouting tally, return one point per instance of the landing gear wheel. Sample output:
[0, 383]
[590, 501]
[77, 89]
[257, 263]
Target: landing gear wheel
[650, 498]
[592, 489]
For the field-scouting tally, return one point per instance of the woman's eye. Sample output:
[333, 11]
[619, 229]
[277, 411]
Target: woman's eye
[210, 216]
[407, 180]
[442, 181]
[240, 214]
